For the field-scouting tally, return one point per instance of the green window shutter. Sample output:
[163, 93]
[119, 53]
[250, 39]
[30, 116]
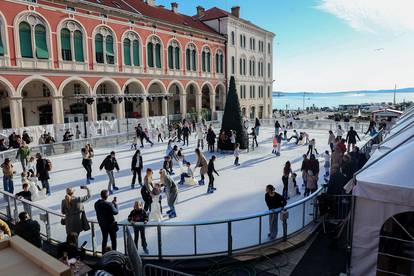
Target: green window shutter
[188, 59]
[221, 64]
[203, 61]
[127, 51]
[25, 40]
[1, 45]
[135, 50]
[65, 44]
[158, 55]
[170, 57]
[177, 57]
[194, 57]
[41, 44]
[150, 54]
[217, 63]
[110, 56]
[78, 45]
[99, 48]
[208, 62]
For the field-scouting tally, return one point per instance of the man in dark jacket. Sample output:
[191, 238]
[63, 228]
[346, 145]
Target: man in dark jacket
[42, 172]
[28, 229]
[210, 171]
[351, 138]
[274, 201]
[136, 168]
[105, 212]
[186, 134]
[110, 163]
[26, 137]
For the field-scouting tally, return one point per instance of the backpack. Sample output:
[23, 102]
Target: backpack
[49, 165]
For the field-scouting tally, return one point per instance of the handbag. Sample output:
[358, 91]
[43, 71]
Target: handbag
[63, 221]
[84, 222]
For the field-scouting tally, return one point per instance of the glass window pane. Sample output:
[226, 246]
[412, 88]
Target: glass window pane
[150, 53]
[1, 44]
[203, 61]
[41, 45]
[110, 57]
[194, 60]
[127, 51]
[135, 50]
[99, 48]
[78, 43]
[25, 40]
[65, 44]
[188, 59]
[177, 58]
[158, 55]
[170, 57]
[208, 62]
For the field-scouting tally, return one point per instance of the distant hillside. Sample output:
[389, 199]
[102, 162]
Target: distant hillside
[400, 90]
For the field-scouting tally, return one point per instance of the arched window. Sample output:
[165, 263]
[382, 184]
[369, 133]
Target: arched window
[33, 36]
[154, 52]
[2, 37]
[25, 38]
[232, 38]
[131, 46]
[206, 60]
[252, 67]
[191, 57]
[71, 41]
[104, 46]
[219, 62]
[174, 54]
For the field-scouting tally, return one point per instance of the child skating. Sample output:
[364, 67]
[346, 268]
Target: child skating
[236, 154]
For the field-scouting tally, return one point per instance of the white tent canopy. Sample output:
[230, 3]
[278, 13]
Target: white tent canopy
[383, 189]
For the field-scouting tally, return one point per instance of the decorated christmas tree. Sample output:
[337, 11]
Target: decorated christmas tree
[232, 119]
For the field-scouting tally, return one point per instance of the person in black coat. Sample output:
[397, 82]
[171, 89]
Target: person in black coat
[105, 212]
[351, 138]
[211, 139]
[210, 171]
[110, 163]
[42, 172]
[273, 201]
[186, 134]
[136, 167]
[29, 229]
[69, 248]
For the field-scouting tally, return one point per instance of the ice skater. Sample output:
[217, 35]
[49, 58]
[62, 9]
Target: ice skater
[311, 147]
[136, 168]
[110, 163]
[202, 164]
[137, 215]
[274, 201]
[200, 137]
[327, 163]
[211, 169]
[287, 170]
[147, 189]
[351, 138]
[171, 191]
[339, 132]
[236, 154]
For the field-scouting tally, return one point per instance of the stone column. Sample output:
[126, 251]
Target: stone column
[164, 104]
[92, 112]
[57, 109]
[16, 112]
[198, 105]
[183, 105]
[145, 108]
[120, 111]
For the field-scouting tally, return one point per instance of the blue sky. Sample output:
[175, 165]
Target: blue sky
[332, 45]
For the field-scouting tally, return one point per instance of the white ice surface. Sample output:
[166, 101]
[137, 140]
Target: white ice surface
[240, 192]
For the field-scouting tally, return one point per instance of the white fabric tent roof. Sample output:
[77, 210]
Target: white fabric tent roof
[390, 179]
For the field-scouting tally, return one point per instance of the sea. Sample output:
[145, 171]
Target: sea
[296, 100]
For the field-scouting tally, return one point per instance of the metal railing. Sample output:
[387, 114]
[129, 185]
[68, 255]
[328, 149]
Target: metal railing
[177, 239]
[155, 270]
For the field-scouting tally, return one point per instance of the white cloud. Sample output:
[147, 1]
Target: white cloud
[373, 15]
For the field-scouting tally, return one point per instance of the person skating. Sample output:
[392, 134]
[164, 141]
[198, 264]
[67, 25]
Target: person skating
[202, 164]
[156, 207]
[159, 135]
[27, 195]
[287, 170]
[200, 137]
[331, 140]
[254, 137]
[87, 155]
[105, 212]
[147, 189]
[273, 201]
[138, 215]
[351, 138]
[210, 170]
[279, 144]
[136, 167]
[277, 127]
[167, 165]
[257, 126]
[211, 139]
[187, 173]
[43, 166]
[173, 156]
[311, 147]
[172, 192]
[110, 163]
[22, 154]
[339, 132]
[275, 142]
[294, 136]
[73, 210]
[134, 143]
[327, 163]
[8, 173]
[186, 134]
[236, 154]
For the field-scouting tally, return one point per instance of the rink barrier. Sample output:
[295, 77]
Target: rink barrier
[301, 213]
